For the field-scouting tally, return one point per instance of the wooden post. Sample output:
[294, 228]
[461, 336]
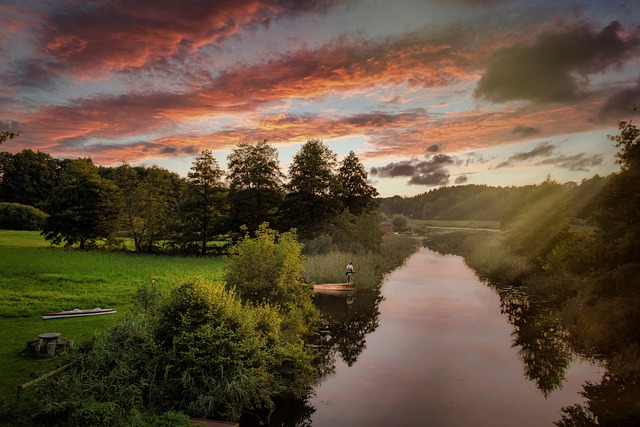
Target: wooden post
[45, 376]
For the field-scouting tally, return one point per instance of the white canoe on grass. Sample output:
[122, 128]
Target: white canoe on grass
[78, 313]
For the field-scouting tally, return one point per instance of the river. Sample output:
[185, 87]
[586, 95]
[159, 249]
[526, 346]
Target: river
[437, 346]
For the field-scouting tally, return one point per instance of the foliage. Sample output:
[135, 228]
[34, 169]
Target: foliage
[357, 234]
[310, 203]
[202, 352]
[370, 266]
[15, 216]
[224, 357]
[267, 269]
[255, 185]
[203, 202]
[7, 135]
[83, 207]
[537, 225]
[37, 278]
[28, 177]
[150, 199]
[353, 190]
[399, 222]
[465, 202]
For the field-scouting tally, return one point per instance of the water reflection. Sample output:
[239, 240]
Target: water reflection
[436, 350]
[542, 344]
[345, 322]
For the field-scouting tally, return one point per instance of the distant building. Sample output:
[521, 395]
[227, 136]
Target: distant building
[387, 226]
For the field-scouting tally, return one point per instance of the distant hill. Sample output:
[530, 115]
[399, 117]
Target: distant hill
[483, 202]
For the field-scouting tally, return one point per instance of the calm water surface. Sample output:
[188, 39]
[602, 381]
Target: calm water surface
[440, 347]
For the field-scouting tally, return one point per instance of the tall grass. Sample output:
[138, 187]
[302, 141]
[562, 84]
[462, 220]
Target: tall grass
[370, 267]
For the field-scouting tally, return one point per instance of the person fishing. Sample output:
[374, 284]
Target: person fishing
[350, 272]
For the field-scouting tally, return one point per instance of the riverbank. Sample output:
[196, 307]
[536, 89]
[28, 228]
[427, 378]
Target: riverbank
[598, 322]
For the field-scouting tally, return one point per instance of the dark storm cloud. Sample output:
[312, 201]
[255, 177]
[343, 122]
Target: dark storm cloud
[618, 105]
[554, 68]
[525, 131]
[431, 171]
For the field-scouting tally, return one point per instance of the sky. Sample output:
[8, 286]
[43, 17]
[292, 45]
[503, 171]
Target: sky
[426, 93]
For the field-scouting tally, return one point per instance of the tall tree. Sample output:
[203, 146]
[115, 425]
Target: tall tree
[83, 207]
[255, 185]
[310, 203]
[355, 193]
[203, 202]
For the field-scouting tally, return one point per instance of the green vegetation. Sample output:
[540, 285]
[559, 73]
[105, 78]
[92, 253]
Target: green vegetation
[16, 216]
[329, 266]
[37, 278]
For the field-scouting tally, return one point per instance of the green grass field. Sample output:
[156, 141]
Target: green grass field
[422, 225]
[36, 278]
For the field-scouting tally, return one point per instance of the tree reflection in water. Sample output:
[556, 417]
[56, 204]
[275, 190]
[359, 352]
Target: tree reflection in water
[344, 324]
[542, 344]
[546, 353]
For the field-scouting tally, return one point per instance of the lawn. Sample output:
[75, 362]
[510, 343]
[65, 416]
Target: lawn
[36, 278]
[421, 225]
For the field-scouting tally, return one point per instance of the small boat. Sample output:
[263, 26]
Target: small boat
[76, 312]
[342, 287]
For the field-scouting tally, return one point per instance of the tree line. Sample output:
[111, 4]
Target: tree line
[487, 203]
[163, 212]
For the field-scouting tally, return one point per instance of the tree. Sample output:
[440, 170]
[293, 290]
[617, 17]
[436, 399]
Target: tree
[255, 185]
[358, 234]
[28, 177]
[267, 268]
[619, 214]
[83, 207]
[355, 193]
[150, 198]
[310, 203]
[203, 201]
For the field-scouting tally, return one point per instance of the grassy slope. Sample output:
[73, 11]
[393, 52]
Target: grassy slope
[35, 278]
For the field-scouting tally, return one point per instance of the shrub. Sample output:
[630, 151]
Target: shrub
[224, 357]
[15, 216]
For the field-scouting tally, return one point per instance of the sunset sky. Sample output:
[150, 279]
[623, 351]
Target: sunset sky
[425, 92]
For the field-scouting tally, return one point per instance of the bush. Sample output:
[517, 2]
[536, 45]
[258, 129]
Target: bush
[224, 357]
[96, 414]
[14, 216]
